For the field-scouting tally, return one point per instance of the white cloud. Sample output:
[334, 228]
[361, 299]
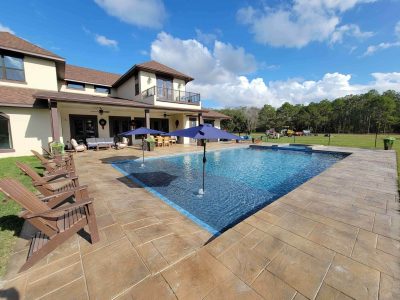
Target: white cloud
[397, 30]
[349, 30]
[6, 29]
[216, 79]
[103, 41]
[206, 38]
[149, 13]
[302, 22]
[385, 45]
[382, 46]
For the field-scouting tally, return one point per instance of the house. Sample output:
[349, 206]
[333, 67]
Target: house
[44, 99]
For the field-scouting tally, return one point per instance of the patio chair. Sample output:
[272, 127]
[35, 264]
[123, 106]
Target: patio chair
[172, 140]
[166, 141]
[77, 147]
[159, 141]
[61, 188]
[55, 225]
[123, 144]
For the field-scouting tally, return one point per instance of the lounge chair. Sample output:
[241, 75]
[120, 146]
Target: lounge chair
[77, 147]
[123, 144]
[56, 225]
[61, 188]
[56, 165]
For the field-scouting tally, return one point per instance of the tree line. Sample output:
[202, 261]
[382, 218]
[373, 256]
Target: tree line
[365, 113]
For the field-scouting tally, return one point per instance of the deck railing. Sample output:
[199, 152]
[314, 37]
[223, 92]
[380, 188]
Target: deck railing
[171, 95]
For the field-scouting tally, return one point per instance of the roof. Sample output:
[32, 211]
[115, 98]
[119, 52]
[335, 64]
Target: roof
[87, 75]
[213, 114]
[11, 42]
[15, 96]
[152, 66]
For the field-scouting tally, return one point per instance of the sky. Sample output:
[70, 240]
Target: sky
[241, 53]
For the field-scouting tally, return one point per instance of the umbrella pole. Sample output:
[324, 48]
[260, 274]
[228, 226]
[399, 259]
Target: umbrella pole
[201, 192]
[142, 151]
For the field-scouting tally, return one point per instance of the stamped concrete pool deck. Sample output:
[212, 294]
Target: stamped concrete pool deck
[337, 236]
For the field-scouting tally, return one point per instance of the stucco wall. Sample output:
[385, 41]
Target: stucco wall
[147, 80]
[39, 74]
[127, 89]
[30, 129]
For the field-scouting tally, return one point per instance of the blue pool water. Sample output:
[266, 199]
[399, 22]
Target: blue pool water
[238, 181]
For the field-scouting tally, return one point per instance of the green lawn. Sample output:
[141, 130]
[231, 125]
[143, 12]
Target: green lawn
[10, 224]
[345, 140]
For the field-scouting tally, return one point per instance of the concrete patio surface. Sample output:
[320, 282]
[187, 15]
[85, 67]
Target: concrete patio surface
[337, 236]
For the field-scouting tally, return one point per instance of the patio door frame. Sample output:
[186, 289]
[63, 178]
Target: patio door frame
[73, 118]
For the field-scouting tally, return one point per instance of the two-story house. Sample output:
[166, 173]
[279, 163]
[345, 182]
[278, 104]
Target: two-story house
[44, 99]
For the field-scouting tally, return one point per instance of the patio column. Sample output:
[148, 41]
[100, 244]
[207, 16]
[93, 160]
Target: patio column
[147, 117]
[200, 118]
[55, 130]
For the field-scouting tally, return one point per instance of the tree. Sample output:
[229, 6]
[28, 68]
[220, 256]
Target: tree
[237, 123]
[251, 118]
[266, 117]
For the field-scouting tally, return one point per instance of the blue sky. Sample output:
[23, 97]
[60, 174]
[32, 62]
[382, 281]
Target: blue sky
[240, 52]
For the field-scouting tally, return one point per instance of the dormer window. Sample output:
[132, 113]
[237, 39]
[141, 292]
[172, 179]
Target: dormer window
[11, 68]
[75, 85]
[102, 89]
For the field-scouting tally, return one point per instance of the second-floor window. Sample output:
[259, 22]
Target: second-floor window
[164, 88]
[102, 89]
[11, 68]
[75, 85]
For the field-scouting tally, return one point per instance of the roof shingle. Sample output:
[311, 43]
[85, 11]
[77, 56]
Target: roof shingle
[9, 41]
[87, 75]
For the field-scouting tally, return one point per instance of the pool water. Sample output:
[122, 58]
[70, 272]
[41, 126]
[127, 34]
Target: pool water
[238, 181]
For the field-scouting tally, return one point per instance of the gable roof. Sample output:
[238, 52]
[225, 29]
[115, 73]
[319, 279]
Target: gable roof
[81, 74]
[154, 67]
[11, 42]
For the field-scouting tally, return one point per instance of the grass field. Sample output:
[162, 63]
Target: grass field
[10, 224]
[344, 140]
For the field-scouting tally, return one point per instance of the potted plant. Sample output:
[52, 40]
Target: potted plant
[150, 143]
[57, 148]
[388, 142]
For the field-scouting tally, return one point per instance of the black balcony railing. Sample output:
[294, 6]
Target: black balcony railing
[170, 95]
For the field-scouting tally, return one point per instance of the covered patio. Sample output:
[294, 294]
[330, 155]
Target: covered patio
[85, 116]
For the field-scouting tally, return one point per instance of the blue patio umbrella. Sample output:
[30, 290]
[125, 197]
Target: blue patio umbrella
[141, 131]
[204, 132]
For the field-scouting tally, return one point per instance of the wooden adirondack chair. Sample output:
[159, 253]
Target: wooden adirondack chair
[61, 188]
[56, 165]
[56, 225]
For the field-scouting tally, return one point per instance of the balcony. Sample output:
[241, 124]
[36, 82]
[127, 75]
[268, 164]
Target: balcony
[172, 96]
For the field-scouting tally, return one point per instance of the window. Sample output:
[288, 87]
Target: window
[75, 85]
[5, 132]
[102, 89]
[12, 68]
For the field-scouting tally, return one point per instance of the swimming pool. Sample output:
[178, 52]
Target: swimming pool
[238, 181]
